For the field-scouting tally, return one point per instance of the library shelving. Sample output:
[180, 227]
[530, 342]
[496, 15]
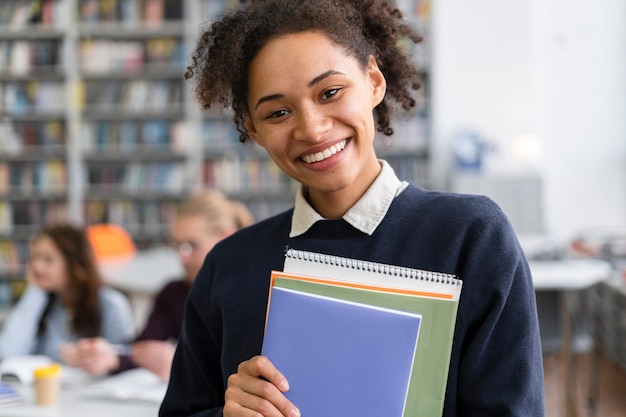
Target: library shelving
[97, 123]
[131, 101]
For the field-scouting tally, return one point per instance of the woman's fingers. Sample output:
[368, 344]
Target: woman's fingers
[257, 388]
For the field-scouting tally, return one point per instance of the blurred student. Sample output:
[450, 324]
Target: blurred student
[200, 222]
[64, 300]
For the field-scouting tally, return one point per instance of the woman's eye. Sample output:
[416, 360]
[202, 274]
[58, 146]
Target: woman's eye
[278, 113]
[329, 93]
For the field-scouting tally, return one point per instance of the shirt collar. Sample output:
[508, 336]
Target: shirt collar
[365, 215]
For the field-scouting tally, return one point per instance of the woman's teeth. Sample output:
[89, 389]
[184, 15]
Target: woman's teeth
[326, 153]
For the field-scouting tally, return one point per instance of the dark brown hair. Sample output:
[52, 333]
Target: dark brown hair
[84, 279]
[362, 27]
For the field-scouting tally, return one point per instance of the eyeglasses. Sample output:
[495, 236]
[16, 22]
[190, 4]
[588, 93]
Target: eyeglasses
[185, 248]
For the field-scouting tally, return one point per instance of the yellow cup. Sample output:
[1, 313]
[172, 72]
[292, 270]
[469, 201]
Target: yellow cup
[47, 384]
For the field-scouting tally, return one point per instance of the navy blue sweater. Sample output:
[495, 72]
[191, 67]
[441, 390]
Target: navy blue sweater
[496, 364]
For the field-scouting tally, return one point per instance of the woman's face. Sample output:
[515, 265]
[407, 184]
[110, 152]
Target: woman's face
[311, 109]
[48, 268]
[193, 238]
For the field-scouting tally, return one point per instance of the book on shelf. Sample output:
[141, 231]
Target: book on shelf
[434, 296]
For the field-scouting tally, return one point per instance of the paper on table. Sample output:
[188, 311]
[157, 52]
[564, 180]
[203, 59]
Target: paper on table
[19, 368]
[137, 384]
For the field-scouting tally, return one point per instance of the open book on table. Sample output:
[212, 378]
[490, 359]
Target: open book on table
[19, 368]
[137, 384]
[432, 296]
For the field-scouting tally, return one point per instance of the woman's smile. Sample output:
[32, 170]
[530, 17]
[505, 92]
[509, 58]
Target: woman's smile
[326, 153]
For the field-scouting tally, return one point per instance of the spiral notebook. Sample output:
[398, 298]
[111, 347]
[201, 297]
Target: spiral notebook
[432, 295]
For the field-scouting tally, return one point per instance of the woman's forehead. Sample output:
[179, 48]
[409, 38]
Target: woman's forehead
[304, 55]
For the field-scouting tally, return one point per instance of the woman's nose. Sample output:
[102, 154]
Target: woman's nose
[311, 125]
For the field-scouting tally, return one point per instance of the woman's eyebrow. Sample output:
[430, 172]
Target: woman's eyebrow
[309, 84]
[267, 98]
[322, 76]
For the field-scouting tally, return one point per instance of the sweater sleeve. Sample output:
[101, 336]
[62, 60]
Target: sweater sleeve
[500, 371]
[19, 332]
[117, 317]
[158, 326]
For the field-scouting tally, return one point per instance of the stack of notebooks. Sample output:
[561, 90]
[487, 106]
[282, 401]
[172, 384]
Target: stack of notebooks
[9, 395]
[361, 338]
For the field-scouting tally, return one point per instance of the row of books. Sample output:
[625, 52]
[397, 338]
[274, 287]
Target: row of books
[129, 137]
[136, 178]
[146, 217]
[13, 255]
[38, 137]
[130, 11]
[236, 175]
[108, 56]
[22, 97]
[219, 134]
[23, 218]
[23, 13]
[24, 56]
[150, 217]
[409, 168]
[41, 178]
[48, 97]
[133, 95]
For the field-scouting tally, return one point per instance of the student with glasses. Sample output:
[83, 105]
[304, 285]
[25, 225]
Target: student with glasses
[199, 223]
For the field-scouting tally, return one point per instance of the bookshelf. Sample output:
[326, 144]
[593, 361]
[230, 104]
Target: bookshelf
[97, 123]
[131, 98]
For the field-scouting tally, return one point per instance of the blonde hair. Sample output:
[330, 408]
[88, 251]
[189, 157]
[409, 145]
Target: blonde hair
[221, 213]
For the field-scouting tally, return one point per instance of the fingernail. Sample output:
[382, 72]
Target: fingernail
[294, 413]
[284, 386]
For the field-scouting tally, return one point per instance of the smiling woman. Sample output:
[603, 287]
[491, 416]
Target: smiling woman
[316, 123]
[311, 81]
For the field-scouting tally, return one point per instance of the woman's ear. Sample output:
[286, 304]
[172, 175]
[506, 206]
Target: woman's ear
[249, 124]
[377, 81]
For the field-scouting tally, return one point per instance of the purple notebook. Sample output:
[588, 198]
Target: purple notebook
[341, 358]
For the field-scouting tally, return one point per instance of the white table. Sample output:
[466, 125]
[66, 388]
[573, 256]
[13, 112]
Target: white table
[142, 276]
[568, 276]
[72, 404]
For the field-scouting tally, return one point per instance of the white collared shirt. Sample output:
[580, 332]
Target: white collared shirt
[365, 215]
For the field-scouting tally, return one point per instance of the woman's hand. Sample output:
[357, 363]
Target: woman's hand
[258, 386]
[96, 356]
[69, 354]
[154, 355]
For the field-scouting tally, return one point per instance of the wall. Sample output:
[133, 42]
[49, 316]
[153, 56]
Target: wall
[551, 69]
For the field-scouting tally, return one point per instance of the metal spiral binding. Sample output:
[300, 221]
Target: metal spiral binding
[375, 267]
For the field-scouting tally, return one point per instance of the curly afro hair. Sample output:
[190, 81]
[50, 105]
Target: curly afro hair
[363, 28]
